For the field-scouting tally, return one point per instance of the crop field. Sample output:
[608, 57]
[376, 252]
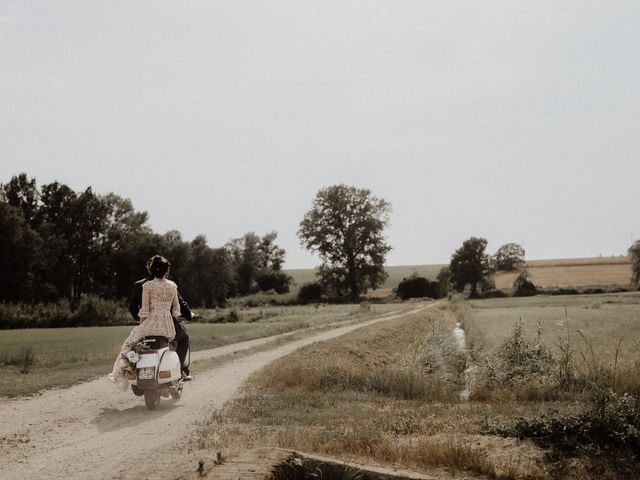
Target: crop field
[407, 394]
[592, 324]
[578, 272]
[35, 359]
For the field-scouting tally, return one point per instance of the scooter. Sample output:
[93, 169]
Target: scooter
[157, 371]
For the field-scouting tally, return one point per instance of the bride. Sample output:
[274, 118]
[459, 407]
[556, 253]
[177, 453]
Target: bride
[159, 303]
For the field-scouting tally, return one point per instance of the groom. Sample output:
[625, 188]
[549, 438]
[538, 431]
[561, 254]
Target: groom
[182, 337]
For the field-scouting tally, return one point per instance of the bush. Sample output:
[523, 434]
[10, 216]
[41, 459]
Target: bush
[495, 293]
[518, 363]
[313, 292]
[417, 287]
[523, 286]
[607, 427]
[273, 280]
[89, 311]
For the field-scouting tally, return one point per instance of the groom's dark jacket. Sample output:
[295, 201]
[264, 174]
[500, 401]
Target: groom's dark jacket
[135, 301]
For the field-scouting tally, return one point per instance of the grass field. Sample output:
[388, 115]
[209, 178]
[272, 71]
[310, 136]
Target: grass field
[392, 394]
[602, 319]
[65, 356]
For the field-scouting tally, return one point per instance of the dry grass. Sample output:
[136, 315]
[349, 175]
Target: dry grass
[389, 394]
[602, 319]
[368, 397]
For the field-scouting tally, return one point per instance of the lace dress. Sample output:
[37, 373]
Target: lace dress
[159, 303]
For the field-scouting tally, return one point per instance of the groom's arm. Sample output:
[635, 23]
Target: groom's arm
[135, 300]
[185, 311]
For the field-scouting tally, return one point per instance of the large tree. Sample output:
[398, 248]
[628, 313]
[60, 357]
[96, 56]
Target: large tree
[509, 257]
[345, 226]
[469, 265]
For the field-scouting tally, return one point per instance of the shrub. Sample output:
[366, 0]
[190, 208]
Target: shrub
[607, 427]
[312, 292]
[273, 280]
[418, 287]
[92, 310]
[523, 286]
[522, 367]
[495, 293]
[89, 311]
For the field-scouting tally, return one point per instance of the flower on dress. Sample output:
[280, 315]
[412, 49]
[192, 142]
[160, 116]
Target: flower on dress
[133, 357]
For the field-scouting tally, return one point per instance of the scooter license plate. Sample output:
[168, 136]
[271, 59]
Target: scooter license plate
[146, 373]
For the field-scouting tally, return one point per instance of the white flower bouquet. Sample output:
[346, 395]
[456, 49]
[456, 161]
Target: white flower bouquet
[133, 357]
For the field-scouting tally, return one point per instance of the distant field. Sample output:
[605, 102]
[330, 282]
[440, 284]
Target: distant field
[396, 274]
[65, 356]
[575, 272]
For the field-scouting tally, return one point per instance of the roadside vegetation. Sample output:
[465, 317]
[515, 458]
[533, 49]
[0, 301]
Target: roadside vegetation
[553, 392]
[36, 359]
[387, 395]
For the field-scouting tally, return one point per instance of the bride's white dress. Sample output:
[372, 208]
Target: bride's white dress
[159, 303]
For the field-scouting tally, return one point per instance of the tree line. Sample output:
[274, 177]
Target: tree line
[57, 243]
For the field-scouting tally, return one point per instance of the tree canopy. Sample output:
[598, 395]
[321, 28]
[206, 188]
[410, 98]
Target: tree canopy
[257, 263]
[509, 256]
[469, 265]
[345, 226]
[58, 243]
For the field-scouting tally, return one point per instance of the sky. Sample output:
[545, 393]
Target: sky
[513, 121]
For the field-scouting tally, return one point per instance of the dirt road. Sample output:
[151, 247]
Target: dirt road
[92, 431]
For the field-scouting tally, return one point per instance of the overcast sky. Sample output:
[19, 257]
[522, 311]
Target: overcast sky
[516, 121]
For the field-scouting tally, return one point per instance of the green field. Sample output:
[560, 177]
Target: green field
[601, 319]
[65, 356]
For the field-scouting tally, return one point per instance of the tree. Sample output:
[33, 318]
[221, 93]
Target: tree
[509, 257]
[22, 192]
[523, 286]
[345, 226]
[444, 281]
[257, 262]
[209, 276]
[20, 256]
[417, 287]
[634, 253]
[469, 265]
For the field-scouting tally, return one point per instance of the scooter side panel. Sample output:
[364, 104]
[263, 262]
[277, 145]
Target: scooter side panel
[171, 362]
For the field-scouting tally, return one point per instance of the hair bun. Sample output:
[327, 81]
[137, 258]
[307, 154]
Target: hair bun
[159, 266]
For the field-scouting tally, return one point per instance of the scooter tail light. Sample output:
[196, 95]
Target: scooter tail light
[165, 374]
[131, 375]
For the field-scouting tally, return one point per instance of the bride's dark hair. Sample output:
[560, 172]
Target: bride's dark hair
[158, 266]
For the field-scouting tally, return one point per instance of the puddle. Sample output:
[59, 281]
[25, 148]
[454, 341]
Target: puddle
[301, 467]
[469, 374]
[461, 337]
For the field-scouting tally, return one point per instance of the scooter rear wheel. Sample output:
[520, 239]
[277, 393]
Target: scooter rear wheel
[151, 399]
